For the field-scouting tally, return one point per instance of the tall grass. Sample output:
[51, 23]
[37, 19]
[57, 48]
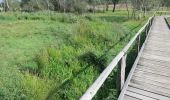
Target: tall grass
[47, 55]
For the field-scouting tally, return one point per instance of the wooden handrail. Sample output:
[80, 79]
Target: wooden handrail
[134, 66]
[121, 59]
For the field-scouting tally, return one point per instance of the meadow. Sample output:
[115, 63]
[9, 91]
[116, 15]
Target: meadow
[57, 56]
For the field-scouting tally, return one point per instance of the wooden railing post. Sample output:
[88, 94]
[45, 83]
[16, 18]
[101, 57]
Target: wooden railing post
[121, 74]
[138, 44]
[146, 31]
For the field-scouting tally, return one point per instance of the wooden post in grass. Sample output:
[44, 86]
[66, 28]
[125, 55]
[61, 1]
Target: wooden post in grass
[121, 74]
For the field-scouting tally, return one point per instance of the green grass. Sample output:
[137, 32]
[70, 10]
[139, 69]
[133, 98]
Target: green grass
[168, 19]
[47, 55]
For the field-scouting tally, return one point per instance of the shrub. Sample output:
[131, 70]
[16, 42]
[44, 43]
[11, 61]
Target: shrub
[69, 73]
[80, 6]
[69, 18]
[90, 18]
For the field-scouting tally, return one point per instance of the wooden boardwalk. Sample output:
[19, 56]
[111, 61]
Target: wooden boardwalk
[150, 78]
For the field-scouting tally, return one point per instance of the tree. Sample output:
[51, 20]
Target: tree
[127, 8]
[114, 4]
[6, 5]
[34, 5]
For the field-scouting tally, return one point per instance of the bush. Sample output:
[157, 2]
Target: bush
[90, 18]
[69, 18]
[56, 64]
[80, 7]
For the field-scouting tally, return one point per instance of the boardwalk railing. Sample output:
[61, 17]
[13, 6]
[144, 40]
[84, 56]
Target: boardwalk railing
[119, 60]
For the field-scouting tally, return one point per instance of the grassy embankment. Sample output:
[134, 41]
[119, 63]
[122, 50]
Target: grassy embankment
[57, 56]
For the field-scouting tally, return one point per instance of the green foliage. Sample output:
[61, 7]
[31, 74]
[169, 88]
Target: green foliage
[68, 18]
[80, 6]
[168, 19]
[48, 55]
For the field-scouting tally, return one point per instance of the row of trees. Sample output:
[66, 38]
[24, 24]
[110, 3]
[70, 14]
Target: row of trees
[55, 5]
[80, 6]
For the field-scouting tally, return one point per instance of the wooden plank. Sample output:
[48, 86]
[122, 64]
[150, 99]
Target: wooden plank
[158, 45]
[152, 74]
[142, 97]
[150, 81]
[148, 94]
[165, 51]
[157, 53]
[153, 89]
[157, 48]
[154, 62]
[160, 36]
[154, 77]
[150, 56]
[150, 87]
[130, 98]
[159, 39]
[158, 42]
[153, 68]
[156, 84]
[139, 70]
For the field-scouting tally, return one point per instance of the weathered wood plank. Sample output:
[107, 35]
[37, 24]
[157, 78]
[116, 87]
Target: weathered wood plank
[151, 82]
[152, 74]
[154, 77]
[139, 96]
[145, 83]
[153, 69]
[151, 56]
[154, 62]
[156, 53]
[130, 98]
[139, 70]
[151, 51]
[151, 88]
[148, 94]
[157, 48]
[158, 45]
[158, 42]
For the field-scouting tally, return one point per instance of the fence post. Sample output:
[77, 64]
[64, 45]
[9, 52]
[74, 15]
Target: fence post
[138, 44]
[146, 30]
[121, 74]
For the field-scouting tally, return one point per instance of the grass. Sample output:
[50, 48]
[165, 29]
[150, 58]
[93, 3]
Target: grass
[48, 55]
[168, 20]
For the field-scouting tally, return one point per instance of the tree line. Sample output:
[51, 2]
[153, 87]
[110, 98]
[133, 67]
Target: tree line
[79, 6]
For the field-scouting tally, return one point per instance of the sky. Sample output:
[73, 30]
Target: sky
[1, 0]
